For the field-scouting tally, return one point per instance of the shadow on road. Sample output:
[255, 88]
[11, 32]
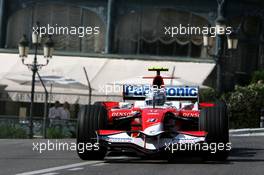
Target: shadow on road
[246, 155]
[178, 160]
[236, 155]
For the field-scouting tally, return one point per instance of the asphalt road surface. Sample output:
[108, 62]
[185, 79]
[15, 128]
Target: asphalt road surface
[18, 157]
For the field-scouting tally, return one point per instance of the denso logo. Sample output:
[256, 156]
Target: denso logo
[116, 114]
[190, 114]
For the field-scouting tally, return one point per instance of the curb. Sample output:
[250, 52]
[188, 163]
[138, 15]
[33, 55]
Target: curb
[246, 131]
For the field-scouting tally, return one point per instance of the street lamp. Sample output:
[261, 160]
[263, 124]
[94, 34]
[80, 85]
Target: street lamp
[34, 66]
[232, 41]
[48, 48]
[23, 47]
[207, 39]
[220, 25]
[36, 38]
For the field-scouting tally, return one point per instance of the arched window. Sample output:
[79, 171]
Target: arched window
[58, 15]
[142, 32]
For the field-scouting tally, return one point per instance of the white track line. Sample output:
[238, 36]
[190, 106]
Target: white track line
[47, 170]
[76, 169]
[99, 164]
[49, 173]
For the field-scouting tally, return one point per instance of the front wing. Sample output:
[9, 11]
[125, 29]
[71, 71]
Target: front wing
[147, 143]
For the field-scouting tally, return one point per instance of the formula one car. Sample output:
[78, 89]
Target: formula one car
[154, 120]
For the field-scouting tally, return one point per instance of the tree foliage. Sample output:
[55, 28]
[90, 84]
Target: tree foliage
[258, 76]
[244, 105]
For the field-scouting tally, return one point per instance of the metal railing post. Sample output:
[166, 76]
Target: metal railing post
[45, 107]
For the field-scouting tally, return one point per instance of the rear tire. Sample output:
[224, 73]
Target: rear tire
[214, 120]
[91, 118]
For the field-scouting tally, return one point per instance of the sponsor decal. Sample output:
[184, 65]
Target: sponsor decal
[116, 139]
[151, 120]
[171, 91]
[181, 92]
[152, 113]
[122, 114]
[190, 114]
[189, 140]
[154, 110]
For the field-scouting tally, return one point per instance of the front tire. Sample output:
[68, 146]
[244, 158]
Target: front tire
[214, 120]
[91, 118]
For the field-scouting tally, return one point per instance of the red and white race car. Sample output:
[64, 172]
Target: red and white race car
[158, 121]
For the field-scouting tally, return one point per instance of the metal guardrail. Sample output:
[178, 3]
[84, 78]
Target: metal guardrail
[65, 127]
[246, 131]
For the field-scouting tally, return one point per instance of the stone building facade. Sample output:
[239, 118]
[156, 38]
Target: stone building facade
[136, 27]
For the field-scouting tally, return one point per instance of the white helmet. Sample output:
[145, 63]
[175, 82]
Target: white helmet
[158, 98]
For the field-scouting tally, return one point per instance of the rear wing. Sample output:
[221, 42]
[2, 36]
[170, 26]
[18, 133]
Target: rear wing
[138, 92]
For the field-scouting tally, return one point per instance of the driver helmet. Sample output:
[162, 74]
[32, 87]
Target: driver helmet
[158, 97]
